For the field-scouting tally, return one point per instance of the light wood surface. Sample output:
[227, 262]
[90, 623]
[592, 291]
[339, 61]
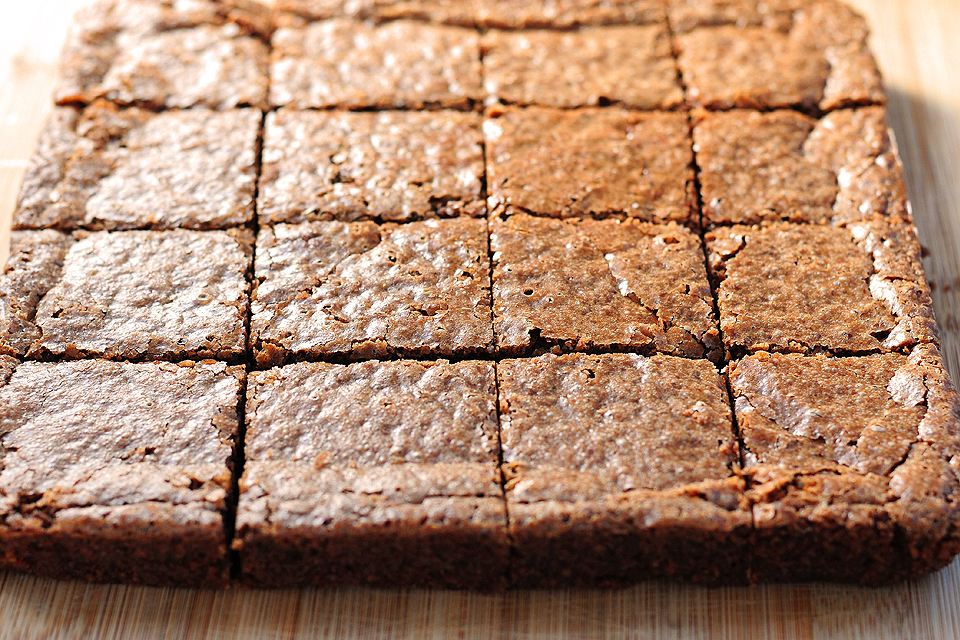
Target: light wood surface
[919, 51]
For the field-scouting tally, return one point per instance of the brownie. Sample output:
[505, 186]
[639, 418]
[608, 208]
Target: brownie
[149, 295]
[821, 288]
[41, 182]
[168, 54]
[377, 473]
[600, 285]
[565, 14]
[619, 469]
[36, 258]
[456, 12]
[386, 166]
[590, 162]
[626, 65]
[759, 166]
[769, 55]
[357, 65]
[359, 290]
[132, 168]
[846, 472]
[117, 472]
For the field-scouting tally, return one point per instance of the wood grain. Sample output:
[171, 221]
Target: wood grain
[917, 48]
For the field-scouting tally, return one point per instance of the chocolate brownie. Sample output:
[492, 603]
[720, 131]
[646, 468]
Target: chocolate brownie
[116, 472]
[565, 14]
[845, 464]
[357, 65]
[40, 187]
[149, 295]
[813, 288]
[590, 162]
[378, 473]
[619, 469]
[36, 258]
[359, 290]
[627, 65]
[168, 54]
[757, 166]
[456, 12]
[132, 168]
[600, 285]
[781, 54]
[387, 166]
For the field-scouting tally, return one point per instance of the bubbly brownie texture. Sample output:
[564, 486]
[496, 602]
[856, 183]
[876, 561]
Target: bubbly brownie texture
[781, 54]
[590, 162]
[116, 472]
[168, 55]
[39, 190]
[387, 166]
[627, 65]
[758, 166]
[600, 285]
[359, 290]
[149, 295]
[295, 12]
[848, 462]
[565, 14]
[811, 288]
[381, 473]
[618, 469]
[36, 258]
[133, 169]
[355, 65]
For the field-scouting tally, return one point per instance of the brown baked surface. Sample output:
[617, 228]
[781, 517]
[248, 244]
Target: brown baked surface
[565, 14]
[456, 12]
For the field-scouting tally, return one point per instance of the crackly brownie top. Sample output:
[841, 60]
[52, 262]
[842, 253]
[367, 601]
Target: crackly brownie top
[457, 12]
[134, 169]
[565, 14]
[628, 65]
[360, 290]
[389, 166]
[589, 162]
[751, 54]
[401, 64]
[149, 294]
[39, 189]
[600, 284]
[757, 166]
[809, 288]
[577, 427]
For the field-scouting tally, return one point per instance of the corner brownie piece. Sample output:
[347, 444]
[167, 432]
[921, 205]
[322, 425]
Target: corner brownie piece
[40, 187]
[456, 12]
[631, 66]
[619, 469]
[757, 166]
[357, 65]
[775, 54]
[378, 473]
[116, 472]
[168, 55]
[846, 464]
[388, 166]
[590, 162]
[600, 285]
[149, 295]
[136, 169]
[565, 14]
[820, 288]
[359, 290]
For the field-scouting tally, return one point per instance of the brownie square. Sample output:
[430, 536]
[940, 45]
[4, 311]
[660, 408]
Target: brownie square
[590, 162]
[378, 473]
[36, 258]
[632, 66]
[386, 166]
[760, 166]
[770, 55]
[132, 168]
[357, 65]
[162, 55]
[456, 12]
[820, 288]
[39, 190]
[359, 290]
[565, 14]
[619, 469]
[149, 295]
[600, 285]
[117, 472]
[847, 460]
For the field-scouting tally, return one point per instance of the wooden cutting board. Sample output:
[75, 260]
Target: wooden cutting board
[919, 51]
